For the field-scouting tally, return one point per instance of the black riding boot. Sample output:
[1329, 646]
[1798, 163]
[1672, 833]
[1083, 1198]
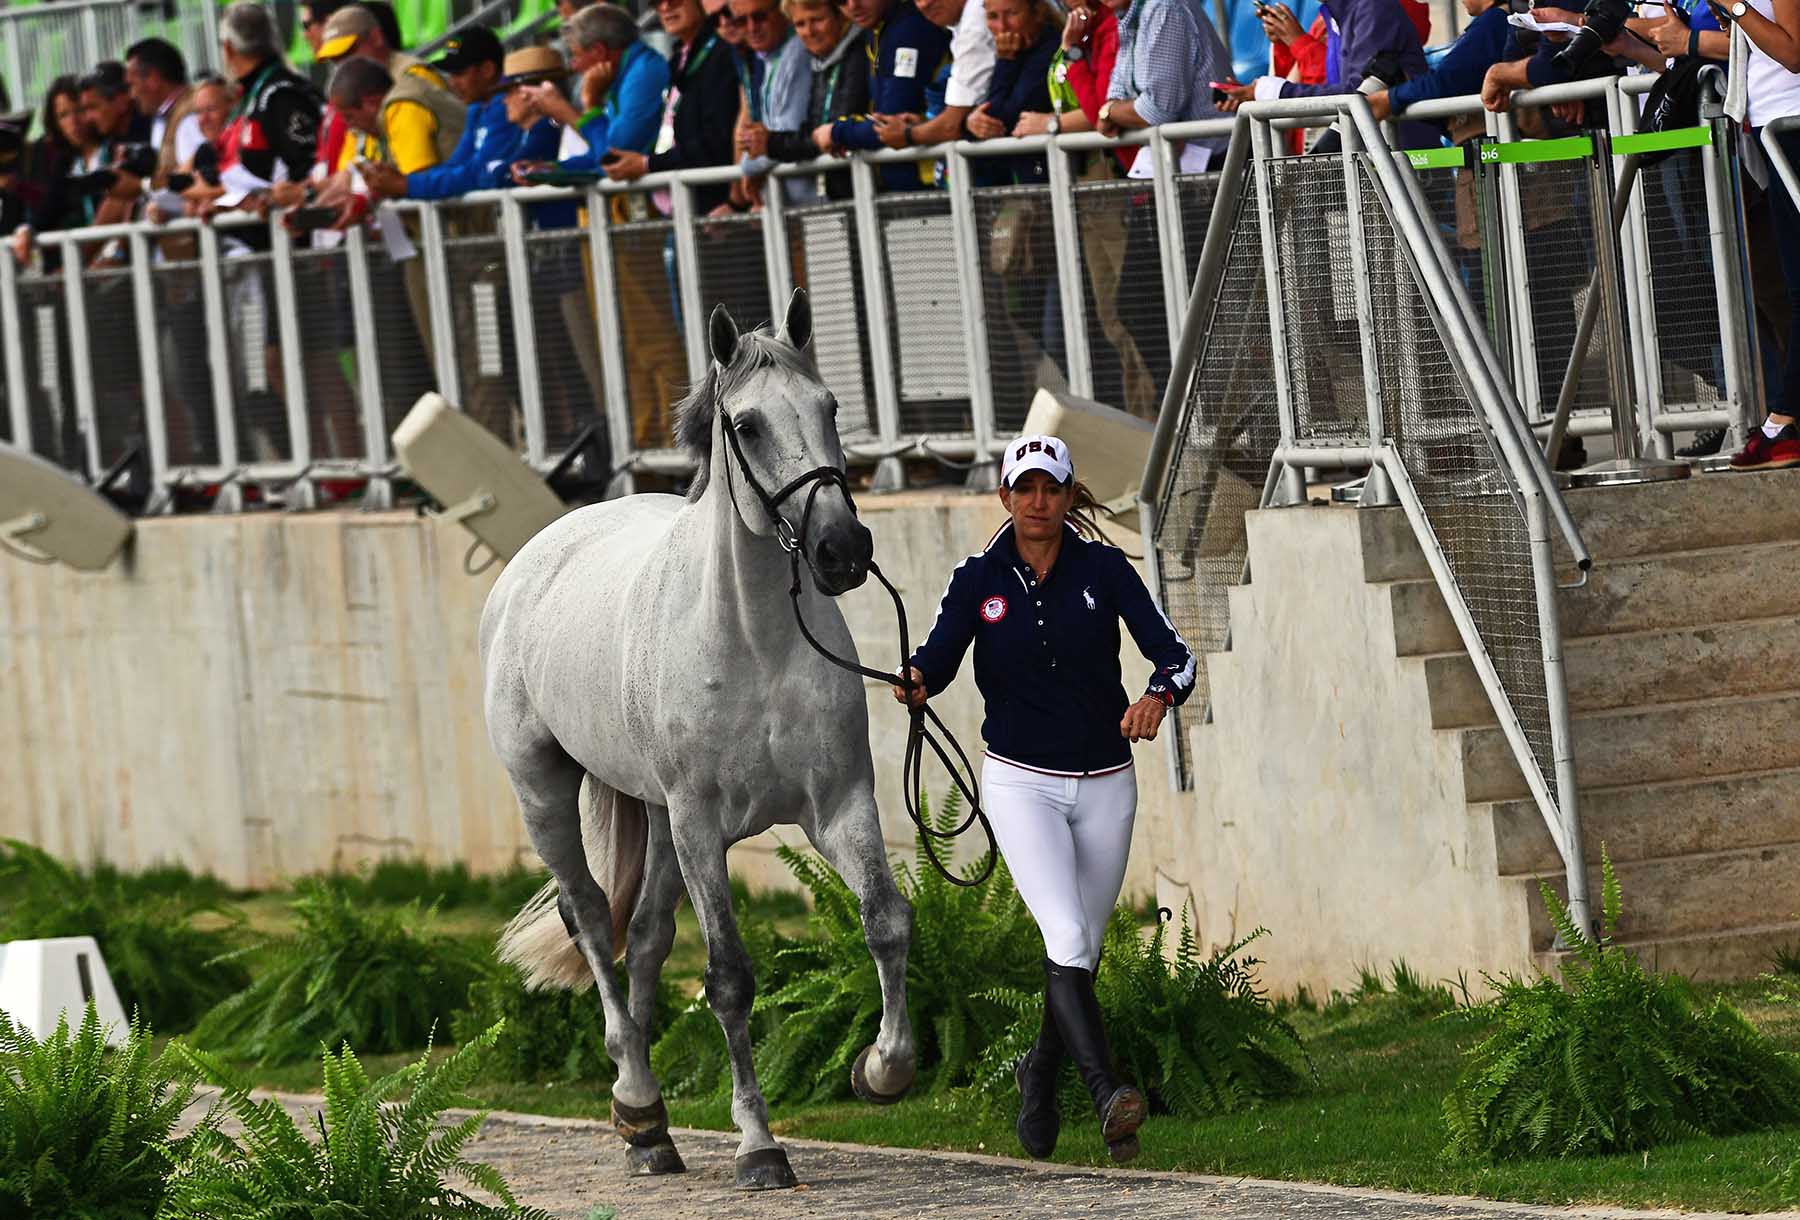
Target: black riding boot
[1121, 1108]
[1038, 1070]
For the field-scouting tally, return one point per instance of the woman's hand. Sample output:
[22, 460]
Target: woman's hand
[915, 697]
[1075, 29]
[1280, 24]
[1008, 44]
[1142, 719]
[1034, 122]
[982, 125]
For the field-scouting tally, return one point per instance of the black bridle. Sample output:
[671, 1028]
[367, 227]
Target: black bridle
[919, 733]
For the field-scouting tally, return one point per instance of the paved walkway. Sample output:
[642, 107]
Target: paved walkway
[568, 1166]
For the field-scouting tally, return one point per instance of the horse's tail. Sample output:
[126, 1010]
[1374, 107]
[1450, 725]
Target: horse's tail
[614, 831]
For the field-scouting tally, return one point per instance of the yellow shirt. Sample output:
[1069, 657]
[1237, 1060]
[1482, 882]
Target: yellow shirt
[411, 129]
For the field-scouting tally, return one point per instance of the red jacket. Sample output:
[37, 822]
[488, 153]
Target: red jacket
[1090, 75]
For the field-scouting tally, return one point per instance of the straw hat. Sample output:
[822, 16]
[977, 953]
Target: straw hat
[528, 65]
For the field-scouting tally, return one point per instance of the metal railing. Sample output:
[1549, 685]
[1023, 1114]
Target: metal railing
[1329, 272]
[41, 42]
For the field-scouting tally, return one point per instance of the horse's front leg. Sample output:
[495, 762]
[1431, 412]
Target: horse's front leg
[851, 843]
[730, 990]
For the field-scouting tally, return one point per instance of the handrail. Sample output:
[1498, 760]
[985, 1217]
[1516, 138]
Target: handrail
[1778, 156]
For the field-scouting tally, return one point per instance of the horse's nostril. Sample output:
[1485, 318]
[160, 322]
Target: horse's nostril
[829, 556]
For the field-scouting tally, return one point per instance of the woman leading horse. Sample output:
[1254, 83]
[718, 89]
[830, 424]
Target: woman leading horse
[1042, 606]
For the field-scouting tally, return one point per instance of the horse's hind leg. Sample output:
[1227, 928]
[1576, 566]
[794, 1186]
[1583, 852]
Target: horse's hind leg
[647, 944]
[730, 989]
[548, 784]
[851, 843]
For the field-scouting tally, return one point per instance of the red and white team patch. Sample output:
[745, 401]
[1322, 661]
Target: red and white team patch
[993, 609]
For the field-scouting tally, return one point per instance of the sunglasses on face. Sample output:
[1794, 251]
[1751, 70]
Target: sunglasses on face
[763, 18]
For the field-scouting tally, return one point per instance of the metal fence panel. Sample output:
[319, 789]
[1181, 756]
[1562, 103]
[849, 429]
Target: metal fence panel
[656, 370]
[487, 358]
[397, 298]
[327, 336]
[49, 380]
[1557, 216]
[925, 321]
[253, 348]
[568, 335]
[1224, 445]
[110, 307]
[1677, 227]
[733, 272]
[1318, 299]
[823, 255]
[1122, 285]
[1017, 252]
[189, 405]
[1195, 194]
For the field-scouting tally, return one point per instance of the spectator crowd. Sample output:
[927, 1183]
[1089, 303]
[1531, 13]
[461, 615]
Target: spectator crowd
[758, 83]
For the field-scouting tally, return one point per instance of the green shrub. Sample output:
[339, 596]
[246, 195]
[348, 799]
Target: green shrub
[550, 1034]
[378, 978]
[372, 1161]
[82, 1130]
[164, 965]
[1196, 1035]
[1409, 997]
[1615, 1057]
[449, 887]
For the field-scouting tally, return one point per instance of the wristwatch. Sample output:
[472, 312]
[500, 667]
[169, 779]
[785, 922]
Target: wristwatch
[1054, 126]
[1738, 10]
[1074, 55]
[1106, 110]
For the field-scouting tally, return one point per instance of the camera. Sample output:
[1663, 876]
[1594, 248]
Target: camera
[138, 160]
[1601, 22]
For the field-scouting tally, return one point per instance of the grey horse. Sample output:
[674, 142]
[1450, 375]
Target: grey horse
[653, 703]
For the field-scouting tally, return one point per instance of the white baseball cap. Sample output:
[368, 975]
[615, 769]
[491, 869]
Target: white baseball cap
[1037, 453]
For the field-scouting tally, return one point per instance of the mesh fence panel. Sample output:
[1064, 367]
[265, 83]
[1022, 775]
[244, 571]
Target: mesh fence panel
[397, 301]
[328, 345]
[1465, 491]
[733, 271]
[1019, 289]
[1195, 194]
[656, 371]
[1122, 293]
[110, 309]
[253, 353]
[189, 407]
[925, 320]
[1318, 299]
[1556, 202]
[823, 253]
[487, 359]
[49, 388]
[1457, 203]
[567, 335]
[1223, 447]
[1678, 227]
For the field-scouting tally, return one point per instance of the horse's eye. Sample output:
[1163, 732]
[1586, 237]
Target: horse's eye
[745, 428]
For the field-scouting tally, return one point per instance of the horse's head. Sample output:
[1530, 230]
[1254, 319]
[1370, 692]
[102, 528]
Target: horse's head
[783, 427]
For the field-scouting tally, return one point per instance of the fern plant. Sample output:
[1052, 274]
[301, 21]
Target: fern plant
[82, 1130]
[164, 964]
[1614, 1057]
[376, 978]
[376, 1157]
[550, 1034]
[1196, 1034]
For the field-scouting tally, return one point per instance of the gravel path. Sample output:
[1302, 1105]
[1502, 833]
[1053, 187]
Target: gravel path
[569, 1166]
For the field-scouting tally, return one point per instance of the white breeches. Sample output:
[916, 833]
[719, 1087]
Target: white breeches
[1066, 839]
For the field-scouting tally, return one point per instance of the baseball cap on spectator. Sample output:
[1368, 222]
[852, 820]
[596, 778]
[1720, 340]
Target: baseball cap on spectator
[342, 30]
[1046, 453]
[476, 45]
[529, 65]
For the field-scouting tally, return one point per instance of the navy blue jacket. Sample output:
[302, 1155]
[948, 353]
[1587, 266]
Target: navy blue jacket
[1487, 41]
[1047, 656]
[905, 52]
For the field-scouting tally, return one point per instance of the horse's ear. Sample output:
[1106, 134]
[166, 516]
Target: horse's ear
[798, 323]
[722, 336]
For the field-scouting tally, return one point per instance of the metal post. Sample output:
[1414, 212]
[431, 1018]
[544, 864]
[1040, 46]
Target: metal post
[687, 280]
[1639, 329]
[518, 280]
[218, 354]
[612, 340]
[293, 361]
[1069, 273]
[90, 34]
[439, 314]
[1518, 278]
[1556, 694]
[778, 257]
[368, 369]
[890, 474]
[12, 334]
[1375, 489]
[974, 306]
[80, 359]
[1293, 482]
[15, 60]
[1171, 238]
[143, 297]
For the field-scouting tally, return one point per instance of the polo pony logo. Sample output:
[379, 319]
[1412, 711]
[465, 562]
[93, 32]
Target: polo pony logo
[993, 609]
[1087, 595]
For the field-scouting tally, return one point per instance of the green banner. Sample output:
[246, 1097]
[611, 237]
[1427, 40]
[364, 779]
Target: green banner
[1525, 152]
[1662, 141]
[1436, 158]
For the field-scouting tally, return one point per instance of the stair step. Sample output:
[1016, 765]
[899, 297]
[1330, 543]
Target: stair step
[1757, 657]
[1670, 741]
[1718, 510]
[1739, 953]
[1649, 821]
[1691, 895]
[1684, 588]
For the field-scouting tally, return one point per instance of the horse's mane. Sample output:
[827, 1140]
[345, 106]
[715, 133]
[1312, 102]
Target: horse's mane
[756, 350]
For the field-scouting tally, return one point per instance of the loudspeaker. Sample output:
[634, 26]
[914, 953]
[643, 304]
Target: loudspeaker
[40, 980]
[47, 514]
[479, 480]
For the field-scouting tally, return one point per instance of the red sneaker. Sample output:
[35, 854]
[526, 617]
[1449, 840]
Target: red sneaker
[1764, 453]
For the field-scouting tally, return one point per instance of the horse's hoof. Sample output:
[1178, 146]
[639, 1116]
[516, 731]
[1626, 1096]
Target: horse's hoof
[641, 1126]
[651, 1160]
[1123, 1150]
[765, 1169]
[859, 1082]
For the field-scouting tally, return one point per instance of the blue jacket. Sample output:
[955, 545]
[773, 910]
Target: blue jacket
[631, 116]
[1047, 656]
[1365, 29]
[482, 160]
[906, 52]
[1486, 42]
